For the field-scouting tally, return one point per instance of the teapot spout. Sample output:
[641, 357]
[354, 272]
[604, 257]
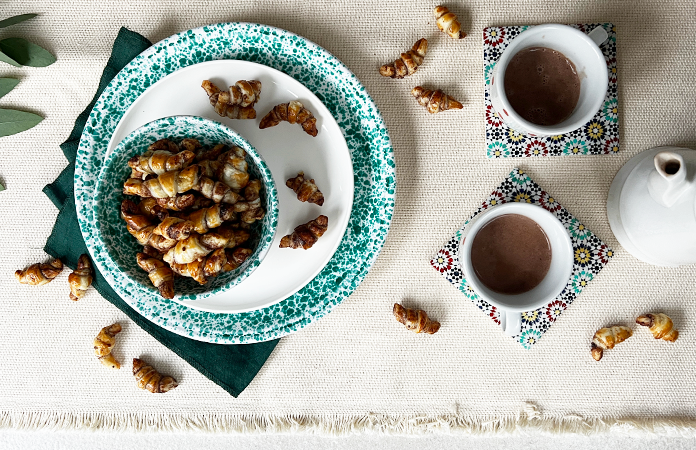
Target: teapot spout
[668, 181]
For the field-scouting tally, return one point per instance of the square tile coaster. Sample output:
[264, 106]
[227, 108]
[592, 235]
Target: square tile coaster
[600, 136]
[590, 256]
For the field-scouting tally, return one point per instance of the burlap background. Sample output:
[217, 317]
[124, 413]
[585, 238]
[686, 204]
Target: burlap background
[358, 360]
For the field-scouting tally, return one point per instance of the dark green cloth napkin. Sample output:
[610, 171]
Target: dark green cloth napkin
[232, 367]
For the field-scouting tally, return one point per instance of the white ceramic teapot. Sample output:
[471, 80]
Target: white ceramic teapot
[652, 203]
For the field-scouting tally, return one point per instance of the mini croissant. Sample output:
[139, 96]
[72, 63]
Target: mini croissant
[448, 23]
[204, 267]
[293, 112]
[174, 228]
[149, 379]
[306, 235]
[607, 338]
[199, 245]
[415, 320]
[408, 62]
[661, 326]
[39, 274]
[435, 101]
[161, 161]
[238, 102]
[104, 343]
[81, 278]
[306, 190]
[161, 275]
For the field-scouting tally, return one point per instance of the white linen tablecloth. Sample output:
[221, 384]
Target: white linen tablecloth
[358, 368]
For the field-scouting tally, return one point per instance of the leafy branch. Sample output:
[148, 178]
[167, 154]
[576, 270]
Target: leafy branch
[19, 52]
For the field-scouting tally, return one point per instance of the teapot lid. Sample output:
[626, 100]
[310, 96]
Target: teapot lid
[638, 211]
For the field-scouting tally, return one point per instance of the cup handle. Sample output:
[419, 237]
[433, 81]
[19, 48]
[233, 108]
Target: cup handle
[511, 322]
[598, 35]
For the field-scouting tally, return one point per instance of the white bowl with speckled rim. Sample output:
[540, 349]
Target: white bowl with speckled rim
[118, 264]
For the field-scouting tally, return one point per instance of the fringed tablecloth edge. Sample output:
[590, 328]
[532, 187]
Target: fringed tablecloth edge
[529, 421]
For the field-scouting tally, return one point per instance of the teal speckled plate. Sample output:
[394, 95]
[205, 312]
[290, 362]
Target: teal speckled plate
[362, 127]
[115, 251]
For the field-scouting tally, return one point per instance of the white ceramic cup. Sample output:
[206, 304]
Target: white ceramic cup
[510, 307]
[582, 50]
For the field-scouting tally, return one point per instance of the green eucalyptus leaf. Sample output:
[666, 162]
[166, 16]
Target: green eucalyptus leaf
[7, 84]
[26, 53]
[8, 60]
[13, 121]
[16, 19]
[2, 188]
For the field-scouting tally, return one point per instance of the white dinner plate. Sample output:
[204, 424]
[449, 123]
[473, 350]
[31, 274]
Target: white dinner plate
[287, 150]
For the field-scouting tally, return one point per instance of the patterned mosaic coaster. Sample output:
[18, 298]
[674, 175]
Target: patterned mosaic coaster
[599, 136]
[591, 255]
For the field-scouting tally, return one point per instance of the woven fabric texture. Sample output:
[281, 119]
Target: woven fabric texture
[358, 361]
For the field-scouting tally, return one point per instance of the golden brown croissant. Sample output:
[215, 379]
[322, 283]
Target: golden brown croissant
[293, 112]
[159, 273]
[306, 235]
[205, 219]
[408, 62]
[415, 320]
[607, 338]
[203, 268]
[81, 278]
[149, 379]
[435, 101]
[199, 245]
[211, 154]
[236, 257]
[448, 23]
[174, 228]
[142, 228]
[164, 144]
[306, 190]
[661, 326]
[178, 203]
[149, 208]
[169, 184]
[39, 274]
[161, 161]
[238, 102]
[192, 145]
[104, 343]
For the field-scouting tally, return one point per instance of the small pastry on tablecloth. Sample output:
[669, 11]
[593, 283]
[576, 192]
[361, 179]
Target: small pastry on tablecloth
[661, 326]
[81, 278]
[149, 379]
[39, 274]
[607, 338]
[448, 23]
[435, 101]
[104, 343]
[415, 320]
[407, 63]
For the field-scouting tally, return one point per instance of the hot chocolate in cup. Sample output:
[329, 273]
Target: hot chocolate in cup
[582, 50]
[541, 288]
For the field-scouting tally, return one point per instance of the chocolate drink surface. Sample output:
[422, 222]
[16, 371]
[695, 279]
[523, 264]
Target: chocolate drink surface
[542, 85]
[511, 254]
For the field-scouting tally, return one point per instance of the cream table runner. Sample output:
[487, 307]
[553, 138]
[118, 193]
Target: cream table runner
[358, 368]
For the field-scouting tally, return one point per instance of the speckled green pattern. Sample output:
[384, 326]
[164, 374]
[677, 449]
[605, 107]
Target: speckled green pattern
[115, 249]
[365, 134]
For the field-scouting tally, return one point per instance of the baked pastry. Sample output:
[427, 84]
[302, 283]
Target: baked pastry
[39, 274]
[607, 338]
[306, 190]
[408, 62]
[174, 228]
[149, 379]
[161, 161]
[292, 112]
[104, 343]
[161, 275]
[661, 326]
[415, 320]
[435, 101]
[448, 23]
[203, 268]
[306, 235]
[81, 278]
[197, 245]
[238, 102]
